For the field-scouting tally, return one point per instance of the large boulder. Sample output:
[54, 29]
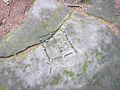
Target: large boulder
[81, 51]
[104, 9]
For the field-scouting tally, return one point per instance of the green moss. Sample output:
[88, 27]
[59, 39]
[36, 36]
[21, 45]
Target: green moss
[86, 66]
[57, 16]
[69, 73]
[3, 87]
[57, 80]
[86, 1]
[46, 25]
[118, 29]
[14, 53]
[99, 57]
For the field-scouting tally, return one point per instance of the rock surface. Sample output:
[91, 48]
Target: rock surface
[104, 9]
[82, 54]
[106, 79]
[44, 18]
[70, 60]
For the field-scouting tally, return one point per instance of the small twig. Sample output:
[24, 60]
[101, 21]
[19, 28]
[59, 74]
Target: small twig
[1, 20]
[25, 9]
[6, 2]
[10, 4]
[73, 5]
[117, 11]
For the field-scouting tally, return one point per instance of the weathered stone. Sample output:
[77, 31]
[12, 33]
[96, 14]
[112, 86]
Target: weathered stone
[82, 48]
[104, 9]
[108, 78]
[44, 18]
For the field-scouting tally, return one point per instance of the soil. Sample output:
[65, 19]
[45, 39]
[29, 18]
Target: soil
[12, 14]
[118, 7]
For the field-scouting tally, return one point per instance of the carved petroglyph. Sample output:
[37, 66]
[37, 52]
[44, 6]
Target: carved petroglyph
[58, 46]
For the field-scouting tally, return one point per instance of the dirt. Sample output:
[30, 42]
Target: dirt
[12, 14]
[118, 7]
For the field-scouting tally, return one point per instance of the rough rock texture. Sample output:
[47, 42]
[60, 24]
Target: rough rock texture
[106, 79]
[44, 18]
[70, 60]
[104, 9]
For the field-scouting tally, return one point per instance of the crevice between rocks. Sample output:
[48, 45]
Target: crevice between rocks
[109, 24]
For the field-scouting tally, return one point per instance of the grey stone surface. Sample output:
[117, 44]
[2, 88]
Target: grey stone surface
[44, 18]
[70, 60]
[108, 78]
[104, 9]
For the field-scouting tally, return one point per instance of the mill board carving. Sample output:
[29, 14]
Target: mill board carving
[58, 46]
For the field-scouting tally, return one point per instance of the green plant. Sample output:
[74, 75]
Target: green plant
[86, 1]
[3, 87]
[69, 73]
[57, 80]
[86, 66]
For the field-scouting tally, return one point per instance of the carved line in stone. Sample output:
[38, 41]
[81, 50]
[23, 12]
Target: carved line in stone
[48, 46]
[69, 40]
[59, 48]
[50, 70]
[68, 54]
[46, 52]
[57, 44]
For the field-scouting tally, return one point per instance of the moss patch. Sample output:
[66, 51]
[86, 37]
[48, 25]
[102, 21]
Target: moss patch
[3, 87]
[118, 29]
[57, 80]
[57, 16]
[86, 66]
[86, 1]
[69, 73]
[99, 57]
